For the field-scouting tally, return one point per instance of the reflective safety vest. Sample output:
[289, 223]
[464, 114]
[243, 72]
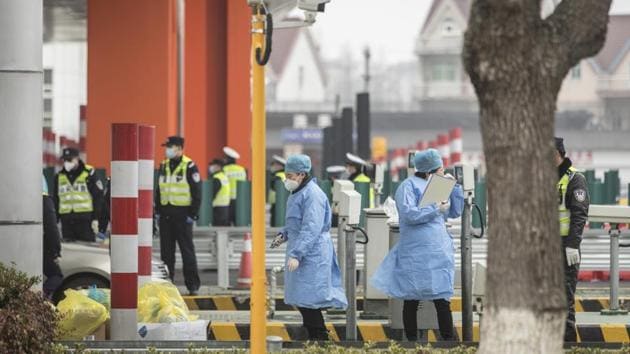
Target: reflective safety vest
[222, 198]
[174, 187]
[234, 174]
[272, 191]
[362, 178]
[563, 212]
[75, 197]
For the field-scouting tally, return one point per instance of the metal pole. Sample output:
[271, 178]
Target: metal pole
[223, 267]
[351, 284]
[466, 269]
[341, 246]
[258, 290]
[21, 33]
[614, 269]
[181, 33]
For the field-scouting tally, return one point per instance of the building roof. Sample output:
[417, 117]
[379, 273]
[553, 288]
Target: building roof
[617, 43]
[462, 5]
[284, 41]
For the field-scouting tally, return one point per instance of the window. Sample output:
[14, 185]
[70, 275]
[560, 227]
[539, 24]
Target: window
[48, 77]
[47, 104]
[576, 72]
[443, 72]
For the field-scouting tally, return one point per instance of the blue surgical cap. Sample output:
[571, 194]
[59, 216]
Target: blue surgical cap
[298, 163]
[427, 160]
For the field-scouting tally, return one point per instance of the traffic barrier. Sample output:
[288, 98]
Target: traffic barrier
[146, 156]
[601, 275]
[245, 271]
[83, 132]
[241, 303]
[243, 203]
[457, 147]
[124, 239]
[205, 210]
[363, 188]
[379, 332]
[282, 194]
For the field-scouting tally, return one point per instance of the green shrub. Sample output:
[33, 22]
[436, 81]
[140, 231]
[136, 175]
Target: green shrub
[27, 320]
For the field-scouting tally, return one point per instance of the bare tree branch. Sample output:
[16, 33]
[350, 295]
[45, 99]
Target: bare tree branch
[580, 25]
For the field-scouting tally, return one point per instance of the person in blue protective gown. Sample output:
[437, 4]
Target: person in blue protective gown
[312, 279]
[421, 265]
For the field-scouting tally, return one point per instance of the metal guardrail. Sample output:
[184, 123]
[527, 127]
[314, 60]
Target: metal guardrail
[226, 244]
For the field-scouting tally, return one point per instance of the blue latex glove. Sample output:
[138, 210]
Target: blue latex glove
[189, 220]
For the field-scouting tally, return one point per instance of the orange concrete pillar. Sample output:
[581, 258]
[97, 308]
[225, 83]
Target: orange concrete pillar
[131, 70]
[205, 101]
[238, 80]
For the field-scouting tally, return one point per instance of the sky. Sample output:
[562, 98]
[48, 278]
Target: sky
[389, 26]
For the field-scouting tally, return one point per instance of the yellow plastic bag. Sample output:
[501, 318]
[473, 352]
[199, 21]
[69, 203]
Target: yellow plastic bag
[161, 302]
[81, 316]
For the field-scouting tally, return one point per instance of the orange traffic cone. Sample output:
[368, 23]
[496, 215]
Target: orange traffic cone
[245, 271]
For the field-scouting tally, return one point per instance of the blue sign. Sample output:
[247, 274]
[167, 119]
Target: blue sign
[302, 136]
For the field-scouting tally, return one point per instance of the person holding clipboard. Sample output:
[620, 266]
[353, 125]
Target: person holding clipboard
[421, 266]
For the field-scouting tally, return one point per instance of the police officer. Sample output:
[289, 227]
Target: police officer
[220, 194]
[573, 203]
[52, 246]
[277, 174]
[355, 168]
[234, 173]
[177, 201]
[78, 197]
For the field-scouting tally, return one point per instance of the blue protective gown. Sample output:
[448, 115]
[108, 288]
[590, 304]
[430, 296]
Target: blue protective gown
[316, 283]
[421, 265]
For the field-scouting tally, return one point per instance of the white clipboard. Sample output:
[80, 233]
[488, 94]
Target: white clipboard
[438, 190]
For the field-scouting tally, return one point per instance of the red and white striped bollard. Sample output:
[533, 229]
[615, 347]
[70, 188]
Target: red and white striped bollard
[146, 156]
[444, 149]
[457, 146]
[124, 240]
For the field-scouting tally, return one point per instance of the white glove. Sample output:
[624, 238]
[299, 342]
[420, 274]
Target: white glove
[444, 207]
[573, 256]
[95, 226]
[292, 264]
[278, 240]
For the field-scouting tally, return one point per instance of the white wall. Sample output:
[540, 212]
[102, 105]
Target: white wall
[69, 63]
[288, 88]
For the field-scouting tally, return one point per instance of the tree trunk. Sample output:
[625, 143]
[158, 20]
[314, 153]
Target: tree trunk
[517, 62]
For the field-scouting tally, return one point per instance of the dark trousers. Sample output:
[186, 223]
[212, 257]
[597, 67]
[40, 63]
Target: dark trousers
[233, 211]
[444, 315]
[176, 229]
[77, 228]
[570, 284]
[53, 274]
[221, 216]
[313, 320]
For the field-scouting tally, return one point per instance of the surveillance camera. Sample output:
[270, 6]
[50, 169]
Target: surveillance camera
[313, 5]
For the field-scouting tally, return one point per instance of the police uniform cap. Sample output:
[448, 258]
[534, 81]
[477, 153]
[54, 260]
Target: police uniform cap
[335, 169]
[355, 160]
[229, 152]
[69, 153]
[279, 160]
[174, 140]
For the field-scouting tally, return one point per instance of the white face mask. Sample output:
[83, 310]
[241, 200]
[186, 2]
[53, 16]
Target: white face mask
[170, 152]
[214, 169]
[68, 166]
[291, 185]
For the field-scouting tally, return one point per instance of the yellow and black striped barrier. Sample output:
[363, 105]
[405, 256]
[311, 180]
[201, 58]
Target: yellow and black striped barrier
[379, 332]
[236, 303]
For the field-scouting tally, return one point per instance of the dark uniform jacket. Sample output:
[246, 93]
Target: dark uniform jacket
[194, 181]
[577, 201]
[94, 186]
